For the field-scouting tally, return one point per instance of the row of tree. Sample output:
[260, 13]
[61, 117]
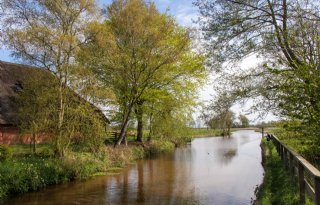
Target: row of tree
[129, 59]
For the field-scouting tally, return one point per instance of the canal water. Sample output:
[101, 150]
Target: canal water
[210, 171]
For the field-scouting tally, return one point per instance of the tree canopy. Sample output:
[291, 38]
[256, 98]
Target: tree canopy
[138, 52]
[285, 34]
[48, 34]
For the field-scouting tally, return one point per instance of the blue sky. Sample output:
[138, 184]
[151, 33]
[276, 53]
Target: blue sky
[182, 10]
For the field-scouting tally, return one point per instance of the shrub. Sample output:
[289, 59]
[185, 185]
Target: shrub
[30, 173]
[83, 165]
[5, 152]
[159, 146]
[138, 153]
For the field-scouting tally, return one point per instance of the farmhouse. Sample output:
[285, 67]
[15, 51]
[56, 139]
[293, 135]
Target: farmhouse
[11, 78]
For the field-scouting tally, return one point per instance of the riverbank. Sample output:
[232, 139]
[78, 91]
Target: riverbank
[277, 187]
[203, 132]
[24, 172]
[171, 178]
[206, 132]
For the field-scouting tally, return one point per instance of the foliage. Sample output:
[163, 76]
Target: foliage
[30, 173]
[240, 28]
[170, 122]
[244, 121]
[36, 104]
[47, 34]
[33, 172]
[295, 136]
[136, 58]
[218, 114]
[285, 34]
[5, 153]
[38, 108]
[159, 146]
[138, 153]
[203, 132]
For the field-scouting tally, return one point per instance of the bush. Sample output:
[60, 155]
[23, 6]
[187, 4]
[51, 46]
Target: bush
[83, 165]
[32, 173]
[29, 174]
[138, 153]
[5, 152]
[159, 146]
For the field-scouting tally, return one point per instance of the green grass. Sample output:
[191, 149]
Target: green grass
[306, 146]
[278, 188]
[26, 172]
[203, 132]
[22, 149]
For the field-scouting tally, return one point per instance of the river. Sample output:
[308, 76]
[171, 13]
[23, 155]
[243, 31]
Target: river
[210, 171]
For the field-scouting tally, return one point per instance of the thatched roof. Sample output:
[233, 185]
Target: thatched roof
[11, 78]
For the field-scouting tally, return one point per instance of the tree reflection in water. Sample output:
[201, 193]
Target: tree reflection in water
[222, 171]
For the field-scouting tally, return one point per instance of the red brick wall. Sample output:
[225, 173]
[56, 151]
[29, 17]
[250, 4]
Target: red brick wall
[11, 135]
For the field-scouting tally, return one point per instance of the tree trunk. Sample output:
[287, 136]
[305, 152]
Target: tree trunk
[140, 130]
[33, 140]
[34, 136]
[124, 126]
[123, 132]
[150, 124]
[59, 146]
[139, 115]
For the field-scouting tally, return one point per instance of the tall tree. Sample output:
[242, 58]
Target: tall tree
[244, 121]
[219, 113]
[139, 49]
[47, 34]
[286, 34]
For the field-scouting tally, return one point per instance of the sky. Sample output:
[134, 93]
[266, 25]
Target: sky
[185, 13]
[182, 10]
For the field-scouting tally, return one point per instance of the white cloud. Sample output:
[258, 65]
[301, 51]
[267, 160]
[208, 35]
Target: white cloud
[185, 15]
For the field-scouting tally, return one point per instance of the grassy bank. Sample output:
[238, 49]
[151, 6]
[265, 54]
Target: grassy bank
[203, 132]
[23, 172]
[278, 187]
[306, 146]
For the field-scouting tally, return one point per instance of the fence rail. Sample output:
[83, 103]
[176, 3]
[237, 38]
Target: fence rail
[308, 175]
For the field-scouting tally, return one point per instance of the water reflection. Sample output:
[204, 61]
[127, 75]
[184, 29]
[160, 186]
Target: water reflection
[222, 171]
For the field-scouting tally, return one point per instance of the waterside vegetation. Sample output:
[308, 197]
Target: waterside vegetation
[127, 61]
[22, 170]
[277, 187]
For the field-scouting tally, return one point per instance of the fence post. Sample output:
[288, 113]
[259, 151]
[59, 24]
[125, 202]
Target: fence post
[291, 164]
[285, 157]
[281, 152]
[302, 184]
[317, 189]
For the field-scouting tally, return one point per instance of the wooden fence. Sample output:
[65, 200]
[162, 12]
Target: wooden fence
[308, 175]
